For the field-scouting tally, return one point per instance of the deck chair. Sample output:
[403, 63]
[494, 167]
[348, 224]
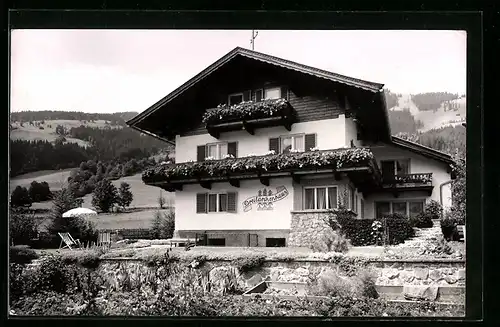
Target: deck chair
[104, 238]
[68, 240]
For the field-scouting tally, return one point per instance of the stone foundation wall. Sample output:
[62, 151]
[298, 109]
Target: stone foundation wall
[307, 227]
[432, 273]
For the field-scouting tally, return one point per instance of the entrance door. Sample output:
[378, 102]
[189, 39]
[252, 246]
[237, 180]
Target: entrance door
[388, 170]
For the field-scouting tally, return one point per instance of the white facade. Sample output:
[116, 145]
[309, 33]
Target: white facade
[330, 134]
[277, 218]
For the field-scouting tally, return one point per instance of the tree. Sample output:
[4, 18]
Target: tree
[163, 225]
[60, 130]
[125, 196]
[62, 201]
[39, 191]
[104, 196]
[20, 197]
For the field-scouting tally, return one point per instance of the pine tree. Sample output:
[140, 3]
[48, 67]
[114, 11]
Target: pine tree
[104, 196]
[125, 196]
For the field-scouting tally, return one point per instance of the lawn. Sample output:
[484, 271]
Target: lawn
[55, 178]
[127, 220]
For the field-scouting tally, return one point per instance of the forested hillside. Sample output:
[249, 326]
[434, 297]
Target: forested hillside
[117, 118]
[391, 99]
[432, 100]
[447, 139]
[403, 122]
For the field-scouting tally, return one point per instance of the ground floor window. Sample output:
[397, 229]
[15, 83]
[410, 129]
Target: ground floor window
[320, 197]
[275, 242]
[216, 242]
[215, 202]
[409, 208]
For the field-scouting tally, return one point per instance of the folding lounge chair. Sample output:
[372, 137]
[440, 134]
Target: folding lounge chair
[68, 240]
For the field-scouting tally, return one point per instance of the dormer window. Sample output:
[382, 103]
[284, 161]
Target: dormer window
[235, 98]
[272, 93]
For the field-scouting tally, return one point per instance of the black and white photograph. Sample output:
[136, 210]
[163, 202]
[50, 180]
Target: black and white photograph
[237, 173]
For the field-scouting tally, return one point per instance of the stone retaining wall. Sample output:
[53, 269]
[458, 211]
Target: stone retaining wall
[432, 273]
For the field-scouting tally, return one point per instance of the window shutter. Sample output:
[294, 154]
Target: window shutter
[231, 202]
[284, 92]
[258, 95]
[232, 149]
[246, 96]
[274, 144]
[201, 152]
[201, 203]
[309, 142]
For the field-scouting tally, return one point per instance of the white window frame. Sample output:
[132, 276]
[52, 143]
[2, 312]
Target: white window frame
[406, 201]
[315, 188]
[265, 90]
[232, 95]
[219, 156]
[217, 202]
[293, 136]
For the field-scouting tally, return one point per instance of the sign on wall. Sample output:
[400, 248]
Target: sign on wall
[265, 199]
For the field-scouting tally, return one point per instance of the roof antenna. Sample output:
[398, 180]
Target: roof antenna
[252, 40]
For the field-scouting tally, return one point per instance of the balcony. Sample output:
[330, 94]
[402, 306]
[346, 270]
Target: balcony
[421, 181]
[357, 163]
[249, 116]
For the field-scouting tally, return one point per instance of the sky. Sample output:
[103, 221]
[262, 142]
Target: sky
[129, 70]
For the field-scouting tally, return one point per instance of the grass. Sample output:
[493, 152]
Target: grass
[55, 178]
[126, 220]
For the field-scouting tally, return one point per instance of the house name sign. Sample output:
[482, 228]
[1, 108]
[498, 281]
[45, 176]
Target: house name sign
[265, 199]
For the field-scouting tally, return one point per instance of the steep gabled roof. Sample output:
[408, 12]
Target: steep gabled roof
[350, 81]
[421, 149]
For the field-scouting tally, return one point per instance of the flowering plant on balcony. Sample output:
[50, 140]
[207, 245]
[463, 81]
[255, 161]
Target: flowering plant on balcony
[245, 111]
[414, 178]
[329, 159]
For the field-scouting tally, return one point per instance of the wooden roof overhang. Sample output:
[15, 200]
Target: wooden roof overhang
[182, 109]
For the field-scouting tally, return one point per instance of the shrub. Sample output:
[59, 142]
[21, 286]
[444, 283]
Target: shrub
[39, 191]
[21, 254]
[331, 240]
[249, 263]
[449, 224]
[434, 210]
[422, 220]
[368, 289]
[396, 216]
[22, 228]
[20, 197]
[331, 284]
[163, 225]
[104, 196]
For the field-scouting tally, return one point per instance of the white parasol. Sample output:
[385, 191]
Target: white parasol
[78, 212]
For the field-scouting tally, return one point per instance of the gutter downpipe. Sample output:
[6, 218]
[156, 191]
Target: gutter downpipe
[441, 190]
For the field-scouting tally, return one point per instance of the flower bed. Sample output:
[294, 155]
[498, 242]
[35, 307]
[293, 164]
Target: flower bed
[245, 111]
[334, 159]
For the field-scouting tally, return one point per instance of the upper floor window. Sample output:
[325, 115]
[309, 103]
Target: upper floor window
[217, 150]
[292, 143]
[272, 93]
[235, 98]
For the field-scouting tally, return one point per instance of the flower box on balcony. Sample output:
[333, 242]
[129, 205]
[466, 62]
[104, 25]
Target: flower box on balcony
[351, 159]
[249, 115]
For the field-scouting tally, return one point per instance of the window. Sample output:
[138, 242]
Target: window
[391, 168]
[406, 208]
[292, 143]
[275, 242]
[362, 209]
[272, 93]
[320, 198]
[235, 98]
[215, 202]
[217, 150]
[352, 202]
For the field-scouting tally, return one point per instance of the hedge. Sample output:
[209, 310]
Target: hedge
[359, 231]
